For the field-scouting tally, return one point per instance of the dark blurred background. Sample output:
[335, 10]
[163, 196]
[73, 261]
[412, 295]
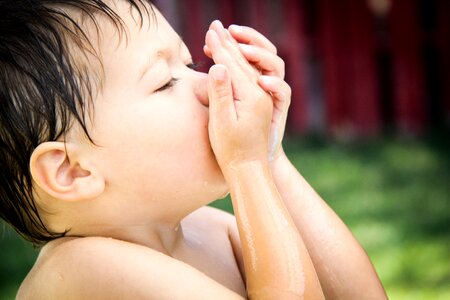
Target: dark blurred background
[368, 126]
[358, 67]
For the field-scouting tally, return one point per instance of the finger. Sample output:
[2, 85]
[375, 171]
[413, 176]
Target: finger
[248, 35]
[222, 32]
[220, 93]
[279, 89]
[240, 79]
[281, 95]
[220, 55]
[230, 44]
[274, 68]
[207, 51]
[217, 26]
[267, 62]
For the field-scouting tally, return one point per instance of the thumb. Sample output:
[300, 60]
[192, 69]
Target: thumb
[220, 92]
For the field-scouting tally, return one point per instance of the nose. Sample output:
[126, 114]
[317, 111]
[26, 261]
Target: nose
[201, 88]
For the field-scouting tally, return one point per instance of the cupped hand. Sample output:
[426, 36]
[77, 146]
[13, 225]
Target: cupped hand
[240, 110]
[262, 55]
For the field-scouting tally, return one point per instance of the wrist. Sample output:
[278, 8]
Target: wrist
[282, 168]
[247, 172]
[246, 167]
[280, 161]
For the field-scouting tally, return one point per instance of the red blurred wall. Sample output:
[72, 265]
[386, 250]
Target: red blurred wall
[357, 68]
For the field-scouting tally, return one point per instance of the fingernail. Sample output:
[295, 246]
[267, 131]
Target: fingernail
[230, 37]
[265, 79]
[213, 38]
[220, 24]
[220, 29]
[218, 73]
[235, 28]
[245, 48]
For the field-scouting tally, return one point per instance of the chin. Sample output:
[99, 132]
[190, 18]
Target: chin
[222, 194]
[226, 193]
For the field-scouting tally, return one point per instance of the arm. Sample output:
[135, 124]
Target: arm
[344, 269]
[277, 264]
[327, 239]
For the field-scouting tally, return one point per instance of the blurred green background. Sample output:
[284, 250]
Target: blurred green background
[394, 195]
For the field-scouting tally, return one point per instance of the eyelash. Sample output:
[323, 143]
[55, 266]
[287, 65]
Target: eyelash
[173, 81]
[193, 65]
[168, 85]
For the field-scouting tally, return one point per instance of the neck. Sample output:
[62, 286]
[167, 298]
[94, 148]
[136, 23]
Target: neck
[164, 237]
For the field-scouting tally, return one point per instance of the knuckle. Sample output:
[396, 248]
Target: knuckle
[288, 101]
[281, 63]
[260, 94]
[288, 91]
[222, 92]
[273, 49]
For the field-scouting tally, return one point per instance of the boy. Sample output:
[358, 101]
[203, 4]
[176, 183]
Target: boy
[112, 145]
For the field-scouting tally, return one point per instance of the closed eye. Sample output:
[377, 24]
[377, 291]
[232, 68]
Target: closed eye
[168, 85]
[193, 66]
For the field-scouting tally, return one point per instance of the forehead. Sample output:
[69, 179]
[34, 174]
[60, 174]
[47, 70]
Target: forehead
[129, 42]
[137, 27]
[131, 21]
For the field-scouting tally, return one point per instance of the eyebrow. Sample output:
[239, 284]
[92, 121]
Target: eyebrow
[148, 65]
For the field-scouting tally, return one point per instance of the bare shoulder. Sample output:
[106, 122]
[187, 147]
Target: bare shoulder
[212, 216]
[217, 222]
[97, 268]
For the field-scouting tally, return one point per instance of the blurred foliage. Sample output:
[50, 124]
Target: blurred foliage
[394, 195]
[16, 259]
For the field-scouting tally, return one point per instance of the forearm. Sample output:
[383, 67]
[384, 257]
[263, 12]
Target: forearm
[275, 258]
[343, 267]
[240, 118]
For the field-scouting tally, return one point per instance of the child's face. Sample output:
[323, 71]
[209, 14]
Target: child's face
[152, 137]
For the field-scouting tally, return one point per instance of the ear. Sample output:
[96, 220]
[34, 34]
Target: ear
[63, 177]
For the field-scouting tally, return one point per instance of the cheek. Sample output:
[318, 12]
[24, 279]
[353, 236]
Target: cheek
[184, 142]
[168, 145]
[158, 126]
[177, 158]
[176, 132]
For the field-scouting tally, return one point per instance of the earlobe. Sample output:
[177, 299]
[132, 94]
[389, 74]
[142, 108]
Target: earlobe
[64, 177]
